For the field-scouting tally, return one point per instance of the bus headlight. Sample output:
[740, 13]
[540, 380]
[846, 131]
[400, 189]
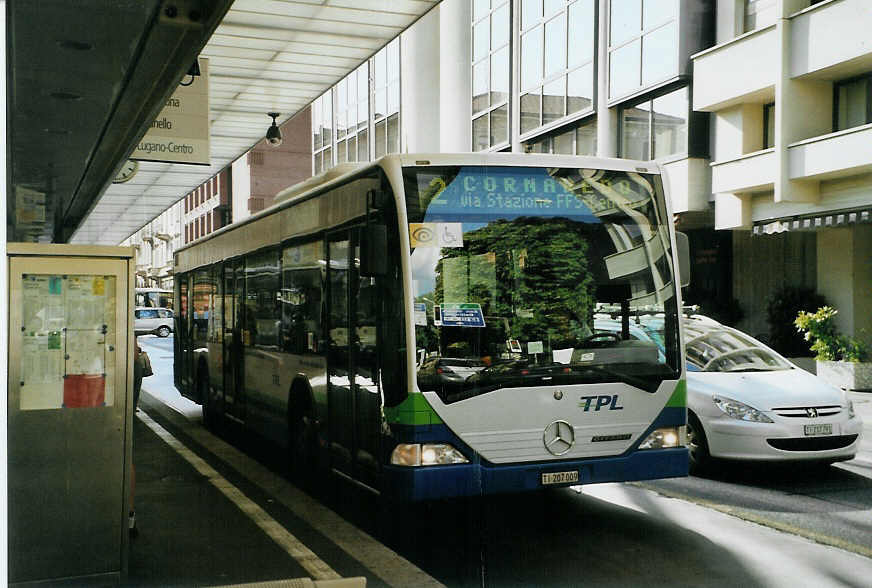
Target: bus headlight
[665, 437]
[416, 454]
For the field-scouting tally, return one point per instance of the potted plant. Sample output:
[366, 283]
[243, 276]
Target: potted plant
[841, 360]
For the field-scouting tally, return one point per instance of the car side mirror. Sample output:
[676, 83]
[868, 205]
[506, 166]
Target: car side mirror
[682, 245]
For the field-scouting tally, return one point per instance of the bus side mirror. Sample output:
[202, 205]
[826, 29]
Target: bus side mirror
[683, 249]
[373, 250]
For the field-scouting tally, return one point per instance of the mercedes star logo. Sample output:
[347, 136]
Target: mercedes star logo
[811, 412]
[559, 437]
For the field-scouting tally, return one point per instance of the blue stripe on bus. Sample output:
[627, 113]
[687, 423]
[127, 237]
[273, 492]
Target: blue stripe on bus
[438, 482]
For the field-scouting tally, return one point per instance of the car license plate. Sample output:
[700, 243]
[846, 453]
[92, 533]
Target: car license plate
[814, 430]
[559, 477]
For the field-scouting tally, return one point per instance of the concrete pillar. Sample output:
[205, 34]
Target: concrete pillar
[419, 72]
[606, 118]
[844, 277]
[730, 20]
[455, 76]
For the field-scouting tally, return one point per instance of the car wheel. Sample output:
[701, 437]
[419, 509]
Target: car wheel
[697, 445]
[164, 331]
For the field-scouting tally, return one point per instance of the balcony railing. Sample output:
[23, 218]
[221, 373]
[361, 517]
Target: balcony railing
[836, 154]
[753, 172]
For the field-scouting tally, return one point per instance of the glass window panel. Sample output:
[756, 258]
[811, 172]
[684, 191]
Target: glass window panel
[656, 12]
[363, 83]
[563, 143]
[853, 103]
[340, 152]
[480, 137]
[480, 8]
[670, 124]
[341, 94]
[581, 39]
[659, 55]
[585, 139]
[500, 76]
[626, 20]
[499, 125]
[393, 60]
[394, 97]
[531, 58]
[362, 146]
[318, 159]
[624, 69]
[316, 124]
[500, 35]
[552, 6]
[328, 116]
[531, 11]
[769, 122]
[393, 145]
[381, 103]
[481, 39]
[381, 68]
[328, 158]
[479, 86]
[636, 132]
[530, 105]
[380, 138]
[555, 45]
[553, 97]
[362, 114]
[352, 149]
[579, 89]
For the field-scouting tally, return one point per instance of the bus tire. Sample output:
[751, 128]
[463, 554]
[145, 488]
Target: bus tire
[697, 445]
[301, 435]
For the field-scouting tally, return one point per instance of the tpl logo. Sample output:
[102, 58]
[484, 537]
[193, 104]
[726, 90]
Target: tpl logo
[587, 402]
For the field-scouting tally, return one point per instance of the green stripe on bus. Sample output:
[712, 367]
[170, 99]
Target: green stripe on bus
[414, 410]
[679, 396]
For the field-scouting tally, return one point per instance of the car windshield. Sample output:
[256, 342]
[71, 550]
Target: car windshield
[715, 348]
[510, 264]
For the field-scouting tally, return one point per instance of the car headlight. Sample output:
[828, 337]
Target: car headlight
[741, 411]
[665, 437]
[427, 454]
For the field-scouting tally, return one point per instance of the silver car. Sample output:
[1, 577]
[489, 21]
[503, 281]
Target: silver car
[157, 321]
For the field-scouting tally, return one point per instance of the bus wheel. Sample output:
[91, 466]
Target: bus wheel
[697, 445]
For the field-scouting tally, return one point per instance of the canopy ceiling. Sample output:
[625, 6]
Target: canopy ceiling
[88, 77]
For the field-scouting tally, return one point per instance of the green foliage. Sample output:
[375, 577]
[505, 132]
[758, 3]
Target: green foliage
[827, 343]
[781, 311]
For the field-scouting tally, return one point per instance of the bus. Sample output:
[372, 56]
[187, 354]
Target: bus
[422, 326]
[154, 297]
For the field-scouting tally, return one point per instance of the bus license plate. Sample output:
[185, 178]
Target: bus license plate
[814, 430]
[559, 478]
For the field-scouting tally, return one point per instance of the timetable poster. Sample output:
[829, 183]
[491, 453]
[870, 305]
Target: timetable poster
[68, 341]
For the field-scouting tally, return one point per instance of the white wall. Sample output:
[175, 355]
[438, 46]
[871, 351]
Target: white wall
[419, 74]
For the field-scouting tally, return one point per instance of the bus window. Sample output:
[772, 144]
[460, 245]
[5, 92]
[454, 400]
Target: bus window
[302, 287]
[262, 295]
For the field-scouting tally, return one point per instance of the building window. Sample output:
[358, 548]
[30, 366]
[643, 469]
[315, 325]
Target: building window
[769, 125]
[352, 116]
[853, 103]
[759, 14]
[643, 44]
[655, 128]
[386, 99]
[322, 132]
[557, 53]
[580, 139]
[491, 65]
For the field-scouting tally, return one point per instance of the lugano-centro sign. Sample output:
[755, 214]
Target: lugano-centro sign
[180, 133]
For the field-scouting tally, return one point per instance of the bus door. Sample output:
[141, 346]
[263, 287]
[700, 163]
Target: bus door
[353, 397]
[233, 350]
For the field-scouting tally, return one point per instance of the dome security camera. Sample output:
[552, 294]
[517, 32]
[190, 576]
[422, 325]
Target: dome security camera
[273, 134]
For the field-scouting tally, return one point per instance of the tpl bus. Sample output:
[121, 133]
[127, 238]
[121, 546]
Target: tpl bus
[423, 325]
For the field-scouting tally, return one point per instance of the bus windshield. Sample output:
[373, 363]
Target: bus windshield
[509, 265]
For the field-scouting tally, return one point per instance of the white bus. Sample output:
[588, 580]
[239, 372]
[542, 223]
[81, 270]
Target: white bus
[154, 297]
[423, 325]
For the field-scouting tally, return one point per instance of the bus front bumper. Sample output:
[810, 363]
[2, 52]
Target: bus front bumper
[478, 479]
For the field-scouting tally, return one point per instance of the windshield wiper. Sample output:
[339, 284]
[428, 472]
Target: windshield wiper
[646, 384]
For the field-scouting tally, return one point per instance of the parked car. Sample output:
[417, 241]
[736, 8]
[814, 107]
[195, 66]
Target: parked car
[447, 375]
[157, 321]
[747, 402]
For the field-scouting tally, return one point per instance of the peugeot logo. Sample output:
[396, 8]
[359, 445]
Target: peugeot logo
[559, 437]
[812, 413]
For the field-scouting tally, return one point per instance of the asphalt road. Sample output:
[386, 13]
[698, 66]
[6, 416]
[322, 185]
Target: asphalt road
[791, 526]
